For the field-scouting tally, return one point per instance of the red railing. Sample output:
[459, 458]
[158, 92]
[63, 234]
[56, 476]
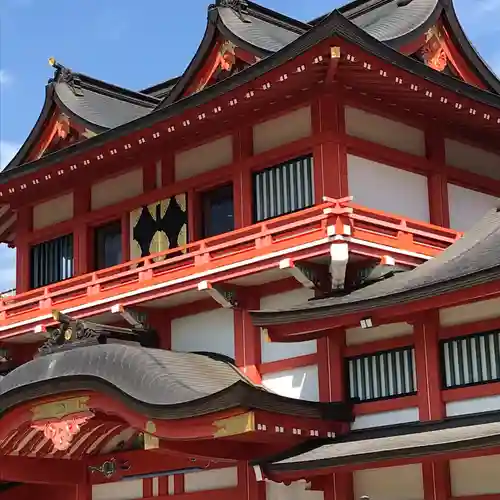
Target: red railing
[284, 233]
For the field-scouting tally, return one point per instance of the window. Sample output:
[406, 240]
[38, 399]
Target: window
[382, 375]
[51, 261]
[108, 245]
[218, 211]
[284, 188]
[471, 360]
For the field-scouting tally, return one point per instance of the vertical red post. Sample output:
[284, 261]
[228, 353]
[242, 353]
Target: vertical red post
[247, 339]
[332, 387]
[330, 156]
[436, 474]
[149, 177]
[437, 181]
[168, 169]
[82, 255]
[242, 179]
[331, 368]
[23, 230]
[125, 225]
[250, 488]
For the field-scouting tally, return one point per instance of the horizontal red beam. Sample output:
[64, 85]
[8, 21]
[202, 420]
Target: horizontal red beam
[301, 331]
[304, 234]
[42, 470]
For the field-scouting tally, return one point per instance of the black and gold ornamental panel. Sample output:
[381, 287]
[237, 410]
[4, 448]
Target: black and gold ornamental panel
[158, 227]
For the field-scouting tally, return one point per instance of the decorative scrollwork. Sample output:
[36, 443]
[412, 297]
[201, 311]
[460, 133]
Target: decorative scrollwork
[109, 468]
[62, 433]
[65, 334]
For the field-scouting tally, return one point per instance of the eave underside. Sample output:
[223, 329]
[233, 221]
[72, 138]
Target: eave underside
[360, 449]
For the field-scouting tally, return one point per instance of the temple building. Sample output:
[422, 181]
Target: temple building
[274, 277]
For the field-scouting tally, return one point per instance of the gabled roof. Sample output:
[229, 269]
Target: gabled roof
[263, 31]
[335, 24]
[472, 260]
[93, 104]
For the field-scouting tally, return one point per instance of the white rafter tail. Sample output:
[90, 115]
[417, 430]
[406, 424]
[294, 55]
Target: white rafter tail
[339, 256]
[259, 476]
[387, 260]
[224, 298]
[40, 329]
[127, 316]
[303, 275]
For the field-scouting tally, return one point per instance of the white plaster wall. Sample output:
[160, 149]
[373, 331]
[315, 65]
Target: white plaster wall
[299, 383]
[362, 335]
[123, 490]
[468, 207]
[211, 331]
[294, 491]
[282, 130]
[473, 159]
[204, 158]
[385, 418]
[390, 483]
[386, 188]
[216, 479]
[390, 133]
[458, 315]
[474, 405]
[475, 476]
[53, 211]
[273, 351]
[117, 189]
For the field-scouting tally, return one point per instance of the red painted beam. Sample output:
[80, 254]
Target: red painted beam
[301, 331]
[41, 470]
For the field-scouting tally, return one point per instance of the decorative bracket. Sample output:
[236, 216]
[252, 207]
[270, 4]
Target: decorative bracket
[226, 298]
[433, 51]
[308, 276]
[332, 65]
[131, 317]
[339, 256]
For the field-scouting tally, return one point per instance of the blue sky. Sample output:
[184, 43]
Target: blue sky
[133, 44]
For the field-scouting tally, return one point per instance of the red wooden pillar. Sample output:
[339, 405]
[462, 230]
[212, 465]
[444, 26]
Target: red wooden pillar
[82, 246]
[436, 474]
[149, 177]
[168, 169]
[330, 156]
[332, 387]
[437, 180]
[24, 227]
[428, 366]
[242, 179]
[247, 345]
[250, 488]
[331, 367]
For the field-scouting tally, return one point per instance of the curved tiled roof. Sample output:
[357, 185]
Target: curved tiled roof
[99, 109]
[465, 432]
[335, 24]
[160, 383]
[95, 104]
[470, 261]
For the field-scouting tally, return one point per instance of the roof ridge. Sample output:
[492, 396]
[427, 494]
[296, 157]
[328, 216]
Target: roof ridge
[116, 89]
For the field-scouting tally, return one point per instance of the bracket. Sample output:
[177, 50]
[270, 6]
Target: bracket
[226, 298]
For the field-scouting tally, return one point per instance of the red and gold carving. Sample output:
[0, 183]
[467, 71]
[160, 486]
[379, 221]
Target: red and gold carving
[433, 51]
[61, 421]
[62, 433]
